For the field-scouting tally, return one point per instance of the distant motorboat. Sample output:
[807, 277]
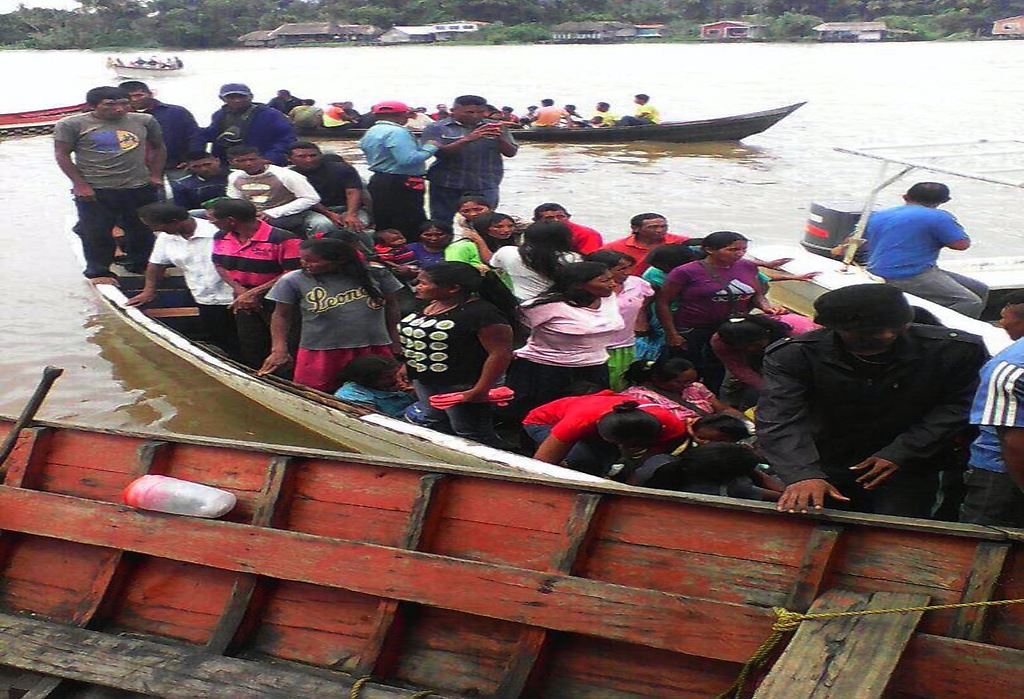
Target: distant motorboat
[142, 69]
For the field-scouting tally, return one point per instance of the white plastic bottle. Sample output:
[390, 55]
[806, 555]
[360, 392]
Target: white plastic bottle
[177, 497]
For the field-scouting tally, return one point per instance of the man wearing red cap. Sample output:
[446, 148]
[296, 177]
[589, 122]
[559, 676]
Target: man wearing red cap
[397, 161]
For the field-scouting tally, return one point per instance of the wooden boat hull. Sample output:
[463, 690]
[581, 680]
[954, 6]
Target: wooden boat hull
[37, 122]
[733, 128]
[337, 566]
[137, 73]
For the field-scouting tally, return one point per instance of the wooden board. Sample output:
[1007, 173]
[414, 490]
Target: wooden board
[844, 657]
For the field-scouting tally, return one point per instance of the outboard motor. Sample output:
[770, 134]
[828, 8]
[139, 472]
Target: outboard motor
[830, 224]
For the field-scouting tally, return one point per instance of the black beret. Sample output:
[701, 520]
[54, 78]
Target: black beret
[863, 307]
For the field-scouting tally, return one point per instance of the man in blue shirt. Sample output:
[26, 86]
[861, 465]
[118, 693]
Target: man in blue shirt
[398, 163]
[181, 132]
[995, 479]
[469, 160]
[903, 246]
[206, 180]
[242, 122]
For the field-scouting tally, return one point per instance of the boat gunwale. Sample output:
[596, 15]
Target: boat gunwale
[973, 531]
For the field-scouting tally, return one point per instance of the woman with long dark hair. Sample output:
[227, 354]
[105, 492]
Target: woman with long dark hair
[459, 342]
[488, 233]
[569, 331]
[531, 267]
[348, 310]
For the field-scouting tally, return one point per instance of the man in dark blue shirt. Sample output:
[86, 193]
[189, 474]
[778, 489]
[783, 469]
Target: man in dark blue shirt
[207, 180]
[181, 132]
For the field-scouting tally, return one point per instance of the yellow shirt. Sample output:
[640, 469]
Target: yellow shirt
[607, 118]
[648, 112]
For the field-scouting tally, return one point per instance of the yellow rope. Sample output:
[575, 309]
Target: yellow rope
[357, 687]
[787, 621]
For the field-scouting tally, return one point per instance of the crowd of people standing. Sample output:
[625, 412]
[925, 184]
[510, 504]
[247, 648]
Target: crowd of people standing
[626, 359]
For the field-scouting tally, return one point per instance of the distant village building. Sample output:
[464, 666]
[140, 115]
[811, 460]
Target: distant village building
[649, 31]
[428, 33]
[1011, 26]
[731, 29]
[295, 34]
[852, 31]
[593, 32]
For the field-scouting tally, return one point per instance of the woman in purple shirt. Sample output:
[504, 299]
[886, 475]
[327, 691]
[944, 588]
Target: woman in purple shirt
[709, 292]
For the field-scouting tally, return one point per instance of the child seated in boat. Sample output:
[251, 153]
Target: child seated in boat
[719, 468]
[376, 382]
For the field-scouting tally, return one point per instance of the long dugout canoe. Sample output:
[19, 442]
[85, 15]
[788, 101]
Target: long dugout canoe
[335, 567]
[731, 128]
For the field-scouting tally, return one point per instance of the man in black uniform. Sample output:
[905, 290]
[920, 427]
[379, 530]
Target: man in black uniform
[864, 410]
[338, 184]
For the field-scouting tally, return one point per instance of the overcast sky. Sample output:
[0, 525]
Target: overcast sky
[12, 5]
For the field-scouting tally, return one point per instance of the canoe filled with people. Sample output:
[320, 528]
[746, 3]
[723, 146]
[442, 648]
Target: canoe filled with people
[650, 358]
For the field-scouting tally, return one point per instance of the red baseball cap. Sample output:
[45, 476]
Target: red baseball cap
[391, 108]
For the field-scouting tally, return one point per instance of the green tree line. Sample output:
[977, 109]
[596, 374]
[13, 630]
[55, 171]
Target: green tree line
[217, 23]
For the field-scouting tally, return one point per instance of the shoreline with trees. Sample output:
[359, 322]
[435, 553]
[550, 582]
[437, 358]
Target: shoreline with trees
[209, 24]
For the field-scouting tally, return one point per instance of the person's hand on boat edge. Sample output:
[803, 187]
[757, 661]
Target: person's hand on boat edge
[273, 362]
[878, 471]
[141, 298]
[808, 495]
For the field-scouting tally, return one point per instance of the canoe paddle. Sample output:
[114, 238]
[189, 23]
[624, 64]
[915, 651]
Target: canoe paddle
[50, 374]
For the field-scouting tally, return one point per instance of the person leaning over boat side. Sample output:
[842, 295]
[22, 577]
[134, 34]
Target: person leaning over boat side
[348, 310]
[250, 255]
[178, 126]
[283, 197]
[307, 117]
[585, 240]
[207, 180]
[339, 185]
[284, 101]
[469, 160]
[863, 410]
[903, 245]
[995, 474]
[398, 163]
[591, 433]
[104, 154]
[646, 232]
[242, 122]
[187, 243]
[460, 342]
[645, 114]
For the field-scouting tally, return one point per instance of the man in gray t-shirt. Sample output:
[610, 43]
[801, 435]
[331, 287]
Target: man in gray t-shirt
[114, 158]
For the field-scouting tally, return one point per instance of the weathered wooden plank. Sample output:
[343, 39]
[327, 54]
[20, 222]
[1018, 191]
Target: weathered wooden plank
[381, 646]
[989, 561]
[161, 670]
[814, 567]
[30, 450]
[549, 600]
[532, 640]
[934, 667]
[111, 572]
[844, 657]
[242, 593]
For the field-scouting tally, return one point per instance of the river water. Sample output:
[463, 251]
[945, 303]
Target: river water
[858, 95]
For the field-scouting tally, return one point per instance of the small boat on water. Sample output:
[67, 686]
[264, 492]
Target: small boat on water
[731, 128]
[36, 122]
[145, 69]
[433, 578]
